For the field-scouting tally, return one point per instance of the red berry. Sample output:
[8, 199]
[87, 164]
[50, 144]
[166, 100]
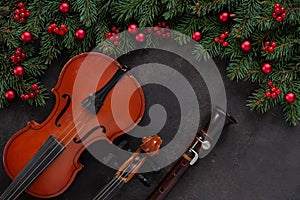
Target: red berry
[278, 91]
[163, 24]
[26, 36]
[10, 94]
[225, 44]
[221, 40]
[222, 36]
[158, 33]
[50, 29]
[108, 34]
[279, 19]
[226, 33]
[217, 39]
[168, 35]
[22, 20]
[19, 70]
[273, 95]
[23, 56]
[274, 15]
[133, 28]
[21, 5]
[16, 17]
[232, 15]
[273, 89]
[22, 14]
[271, 49]
[140, 37]
[196, 36]
[149, 30]
[270, 83]
[246, 45]
[224, 16]
[22, 10]
[64, 7]
[156, 28]
[13, 58]
[283, 15]
[63, 27]
[17, 12]
[22, 96]
[290, 97]
[37, 91]
[56, 30]
[34, 87]
[113, 29]
[18, 59]
[80, 34]
[27, 14]
[26, 96]
[61, 32]
[266, 68]
[268, 94]
[267, 43]
[19, 49]
[274, 44]
[282, 9]
[18, 53]
[277, 5]
[117, 31]
[53, 26]
[31, 95]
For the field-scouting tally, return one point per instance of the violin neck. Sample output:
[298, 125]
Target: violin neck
[40, 161]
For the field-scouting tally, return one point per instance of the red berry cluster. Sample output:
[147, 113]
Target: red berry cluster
[160, 30]
[222, 39]
[34, 91]
[113, 35]
[273, 92]
[278, 13]
[269, 46]
[21, 13]
[57, 30]
[18, 56]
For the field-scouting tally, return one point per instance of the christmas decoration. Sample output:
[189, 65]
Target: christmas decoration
[26, 36]
[245, 48]
[133, 28]
[266, 68]
[19, 70]
[80, 34]
[21, 13]
[10, 94]
[246, 45]
[140, 37]
[18, 56]
[290, 97]
[279, 13]
[34, 87]
[269, 47]
[57, 30]
[197, 36]
[64, 7]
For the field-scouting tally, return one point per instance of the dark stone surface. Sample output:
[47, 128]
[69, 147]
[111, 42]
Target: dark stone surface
[256, 159]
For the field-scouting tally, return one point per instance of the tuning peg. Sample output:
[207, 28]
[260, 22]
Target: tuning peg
[144, 180]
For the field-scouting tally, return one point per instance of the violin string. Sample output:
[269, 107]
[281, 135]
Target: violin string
[65, 129]
[118, 179]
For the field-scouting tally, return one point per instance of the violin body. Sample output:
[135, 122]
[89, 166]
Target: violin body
[62, 123]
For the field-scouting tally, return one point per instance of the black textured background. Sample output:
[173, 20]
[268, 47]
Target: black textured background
[257, 159]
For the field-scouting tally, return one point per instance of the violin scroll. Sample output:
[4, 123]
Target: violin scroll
[151, 144]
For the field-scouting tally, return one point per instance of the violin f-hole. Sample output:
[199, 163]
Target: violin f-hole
[77, 140]
[65, 96]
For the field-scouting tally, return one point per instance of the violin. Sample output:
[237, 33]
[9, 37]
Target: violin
[43, 159]
[149, 147]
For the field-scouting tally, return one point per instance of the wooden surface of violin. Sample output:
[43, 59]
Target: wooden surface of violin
[71, 127]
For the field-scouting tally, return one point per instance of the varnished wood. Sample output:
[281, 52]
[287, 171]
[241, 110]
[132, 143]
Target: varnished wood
[61, 173]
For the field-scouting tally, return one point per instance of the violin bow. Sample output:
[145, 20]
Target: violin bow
[149, 147]
[199, 148]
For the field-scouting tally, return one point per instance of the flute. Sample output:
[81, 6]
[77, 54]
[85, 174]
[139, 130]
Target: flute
[202, 141]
